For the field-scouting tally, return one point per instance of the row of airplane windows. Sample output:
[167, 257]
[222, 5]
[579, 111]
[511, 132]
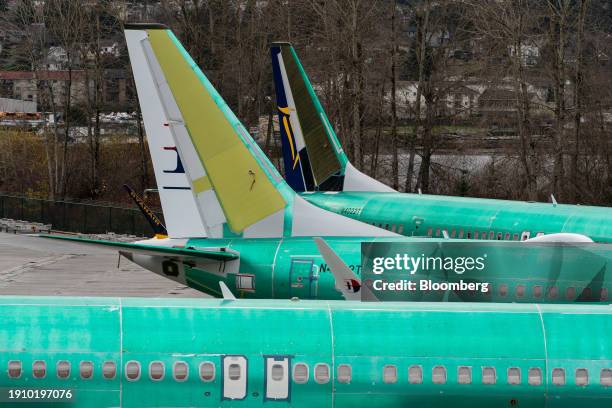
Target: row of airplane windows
[490, 235]
[550, 292]
[207, 372]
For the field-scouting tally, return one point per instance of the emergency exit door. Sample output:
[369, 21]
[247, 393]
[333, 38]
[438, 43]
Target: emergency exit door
[277, 379]
[302, 280]
[234, 377]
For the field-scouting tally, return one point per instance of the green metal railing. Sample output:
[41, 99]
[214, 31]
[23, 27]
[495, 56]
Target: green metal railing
[87, 218]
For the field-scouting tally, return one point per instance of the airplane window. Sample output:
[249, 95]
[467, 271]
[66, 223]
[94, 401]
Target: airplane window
[483, 235]
[552, 292]
[321, 373]
[415, 375]
[437, 232]
[461, 233]
[132, 370]
[86, 369]
[389, 374]
[344, 373]
[503, 290]
[393, 228]
[400, 230]
[453, 233]
[534, 376]
[570, 293]
[514, 376]
[109, 370]
[587, 293]
[475, 234]
[387, 227]
[603, 294]
[520, 291]
[300, 373]
[507, 236]
[537, 291]
[429, 232]
[491, 235]
[180, 371]
[63, 369]
[464, 375]
[605, 377]
[515, 237]
[499, 236]
[488, 375]
[438, 375]
[14, 369]
[558, 376]
[207, 371]
[468, 235]
[582, 377]
[233, 372]
[39, 369]
[278, 372]
[156, 370]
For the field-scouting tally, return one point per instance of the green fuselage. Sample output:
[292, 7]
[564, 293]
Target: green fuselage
[515, 271]
[264, 353]
[468, 218]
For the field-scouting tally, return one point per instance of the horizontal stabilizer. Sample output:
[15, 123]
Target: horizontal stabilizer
[145, 249]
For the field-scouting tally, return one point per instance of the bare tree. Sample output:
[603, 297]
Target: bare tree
[66, 23]
[506, 28]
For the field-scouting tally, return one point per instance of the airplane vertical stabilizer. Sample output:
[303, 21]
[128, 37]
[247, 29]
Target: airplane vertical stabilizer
[312, 154]
[178, 204]
[237, 190]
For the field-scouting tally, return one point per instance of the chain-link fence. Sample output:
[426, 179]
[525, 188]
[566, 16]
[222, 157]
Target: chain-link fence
[86, 218]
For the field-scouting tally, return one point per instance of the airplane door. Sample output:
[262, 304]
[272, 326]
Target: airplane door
[302, 281]
[525, 235]
[234, 377]
[277, 378]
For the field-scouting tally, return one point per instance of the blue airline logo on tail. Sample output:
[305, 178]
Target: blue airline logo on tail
[179, 165]
[178, 169]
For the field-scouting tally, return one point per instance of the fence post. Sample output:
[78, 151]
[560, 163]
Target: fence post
[110, 219]
[133, 223]
[85, 219]
[21, 208]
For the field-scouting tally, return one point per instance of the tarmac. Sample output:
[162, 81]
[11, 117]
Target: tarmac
[35, 266]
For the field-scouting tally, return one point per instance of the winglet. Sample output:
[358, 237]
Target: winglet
[226, 292]
[554, 200]
[347, 282]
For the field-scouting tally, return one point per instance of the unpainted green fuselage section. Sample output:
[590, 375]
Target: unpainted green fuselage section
[515, 271]
[377, 343]
[463, 217]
